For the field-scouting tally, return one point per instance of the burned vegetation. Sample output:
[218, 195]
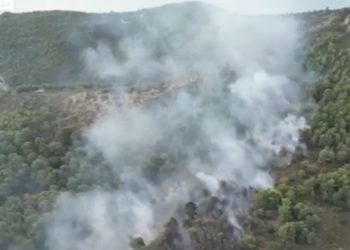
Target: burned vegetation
[182, 158]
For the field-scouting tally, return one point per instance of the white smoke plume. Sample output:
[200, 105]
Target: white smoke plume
[3, 85]
[225, 129]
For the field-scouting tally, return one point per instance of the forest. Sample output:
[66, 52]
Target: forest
[40, 158]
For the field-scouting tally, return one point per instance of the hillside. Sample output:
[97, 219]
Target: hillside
[311, 195]
[154, 82]
[55, 42]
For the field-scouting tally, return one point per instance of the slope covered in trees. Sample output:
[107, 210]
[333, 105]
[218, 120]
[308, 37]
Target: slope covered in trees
[55, 42]
[308, 208]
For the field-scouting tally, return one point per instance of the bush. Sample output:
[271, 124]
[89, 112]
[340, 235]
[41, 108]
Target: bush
[249, 242]
[136, 243]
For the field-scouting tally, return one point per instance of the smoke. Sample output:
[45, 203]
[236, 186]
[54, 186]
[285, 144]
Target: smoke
[237, 6]
[3, 85]
[231, 127]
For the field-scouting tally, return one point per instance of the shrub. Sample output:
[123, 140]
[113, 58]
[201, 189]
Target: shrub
[249, 242]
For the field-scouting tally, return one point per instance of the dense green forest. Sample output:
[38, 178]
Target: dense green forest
[308, 208]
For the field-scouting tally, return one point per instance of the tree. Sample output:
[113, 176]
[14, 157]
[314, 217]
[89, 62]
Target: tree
[302, 211]
[342, 155]
[55, 149]
[269, 199]
[285, 210]
[326, 155]
[40, 163]
[293, 233]
[287, 235]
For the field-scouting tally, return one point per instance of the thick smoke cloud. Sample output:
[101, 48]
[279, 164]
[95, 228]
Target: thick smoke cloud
[231, 127]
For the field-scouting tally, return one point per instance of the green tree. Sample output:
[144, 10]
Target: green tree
[326, 155]
[269, 199]
[285, 210]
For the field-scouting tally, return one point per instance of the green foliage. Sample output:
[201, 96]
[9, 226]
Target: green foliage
[285, 210]
[27, 175]
[297, 221]
[249, 242]
[326, 155]
[37, 161]
[137, 243]
[330, 132]
[269, 199]
[46, 49]
[41, 40]
[322, 181]
[292, 233]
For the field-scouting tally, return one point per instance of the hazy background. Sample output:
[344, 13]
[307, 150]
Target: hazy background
[237, 6]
